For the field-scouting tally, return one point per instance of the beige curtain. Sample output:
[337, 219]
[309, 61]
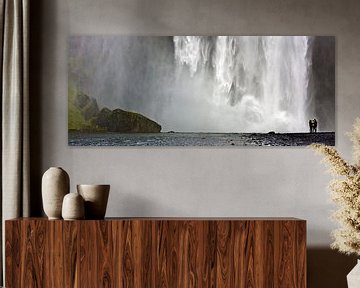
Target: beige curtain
[14, 25]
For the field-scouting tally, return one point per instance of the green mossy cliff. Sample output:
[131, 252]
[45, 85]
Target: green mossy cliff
[76, 118]
[85, 116]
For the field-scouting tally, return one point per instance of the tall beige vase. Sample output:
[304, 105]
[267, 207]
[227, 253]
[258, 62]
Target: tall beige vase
[55, 185]
[96, 198]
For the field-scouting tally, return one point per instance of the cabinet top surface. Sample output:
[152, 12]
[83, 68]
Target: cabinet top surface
[174, 219]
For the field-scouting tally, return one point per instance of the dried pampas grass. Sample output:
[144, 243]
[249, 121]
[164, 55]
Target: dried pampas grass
[345, 192]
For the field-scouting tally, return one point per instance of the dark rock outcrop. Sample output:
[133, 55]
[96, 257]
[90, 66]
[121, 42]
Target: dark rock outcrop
[103, 118]
[123, 121]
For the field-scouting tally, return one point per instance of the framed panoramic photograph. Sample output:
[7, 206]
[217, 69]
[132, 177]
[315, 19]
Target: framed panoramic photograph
[201, 90]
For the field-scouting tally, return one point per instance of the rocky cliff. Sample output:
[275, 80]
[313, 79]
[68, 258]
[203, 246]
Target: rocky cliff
[85, 116]
[119, 120]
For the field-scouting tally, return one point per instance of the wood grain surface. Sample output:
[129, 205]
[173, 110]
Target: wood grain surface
[153, 252]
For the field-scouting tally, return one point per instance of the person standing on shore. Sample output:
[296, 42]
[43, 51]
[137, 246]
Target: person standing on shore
[313, 125]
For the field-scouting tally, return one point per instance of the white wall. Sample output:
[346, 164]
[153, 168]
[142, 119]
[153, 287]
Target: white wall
[200, 181]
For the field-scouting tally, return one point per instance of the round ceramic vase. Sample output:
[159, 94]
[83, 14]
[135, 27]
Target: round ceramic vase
[55, 185]
[73, 207]
[96, 198]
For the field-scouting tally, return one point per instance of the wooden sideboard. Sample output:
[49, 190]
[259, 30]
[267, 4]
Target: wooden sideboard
[156, 252]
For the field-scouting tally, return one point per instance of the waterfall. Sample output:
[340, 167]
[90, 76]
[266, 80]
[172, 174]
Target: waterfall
[257, 83]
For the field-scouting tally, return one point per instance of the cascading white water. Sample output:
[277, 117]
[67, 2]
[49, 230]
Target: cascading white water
[258, 84]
